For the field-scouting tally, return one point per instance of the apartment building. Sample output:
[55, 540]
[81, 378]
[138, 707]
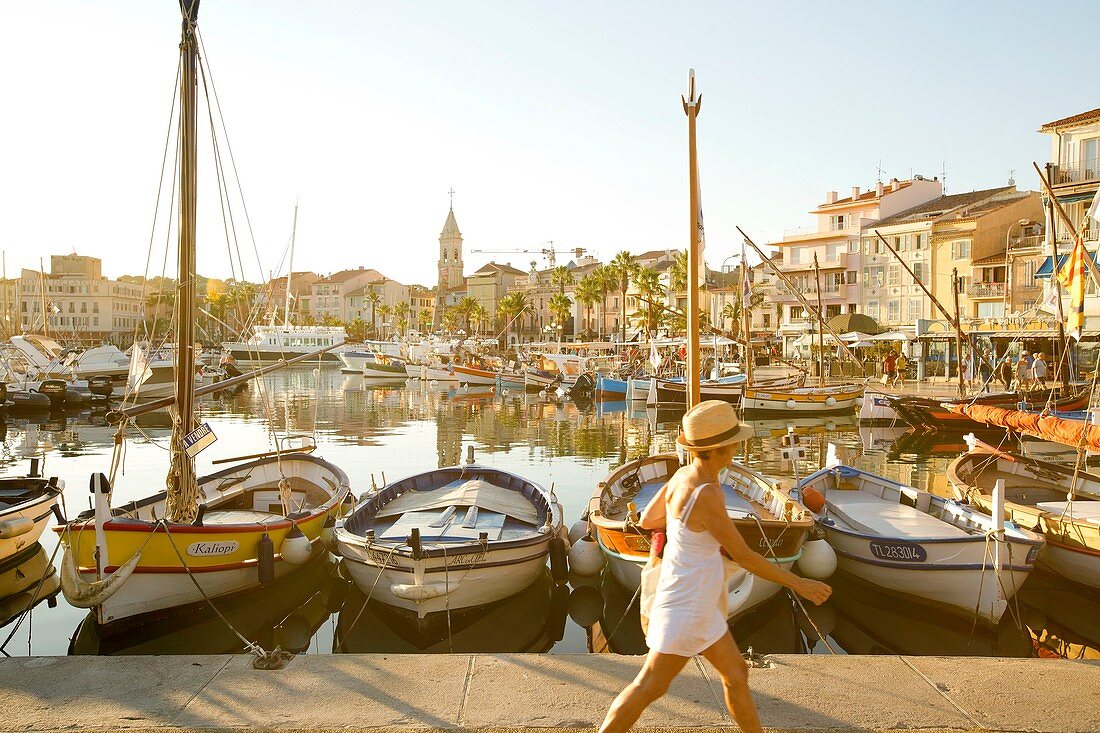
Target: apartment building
[491, 283]
[359, 304]
[834, 240]
[79, 303]
[327, 294]
[272, 296]
[1074, 172]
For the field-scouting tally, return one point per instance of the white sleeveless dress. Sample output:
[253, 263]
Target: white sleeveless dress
[689, 605]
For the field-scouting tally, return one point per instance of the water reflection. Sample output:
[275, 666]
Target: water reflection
[25, 581]
[373, 428]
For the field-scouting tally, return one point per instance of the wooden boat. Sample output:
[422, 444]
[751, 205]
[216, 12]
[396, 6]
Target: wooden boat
[26, 505]
[610, 388]
[536, 380]
[370, 364]
[451, 538]
[771, 522]
[926, 413]
[1035, 496]
[877, 408]
[248, 532]
[927, 547]
[828, 400]
[26, 579]
[474, 376]
[202, 538]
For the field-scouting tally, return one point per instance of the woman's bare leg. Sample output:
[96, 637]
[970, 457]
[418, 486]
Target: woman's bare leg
[726, 658]
[652, 681]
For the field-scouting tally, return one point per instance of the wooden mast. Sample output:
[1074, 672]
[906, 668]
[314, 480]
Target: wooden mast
[958, 331]
[691, 109]
[181, 505]
[42, 297]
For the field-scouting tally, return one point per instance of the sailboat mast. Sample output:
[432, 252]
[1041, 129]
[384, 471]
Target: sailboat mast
[182, 482]
[691, 109]
[820, 326]
[290, 267]
[746, 318]
[42, 297]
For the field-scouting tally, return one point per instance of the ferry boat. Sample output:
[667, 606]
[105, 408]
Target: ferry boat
[270, 343]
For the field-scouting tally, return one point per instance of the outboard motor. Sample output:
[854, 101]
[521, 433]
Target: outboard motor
[584, 387]
[101, 386]
[55, 389]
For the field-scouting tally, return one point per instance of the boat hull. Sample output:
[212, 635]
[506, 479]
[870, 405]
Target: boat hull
[253, 355]
[469, 375]
[611, 389]
[38, 511]
[803, 400]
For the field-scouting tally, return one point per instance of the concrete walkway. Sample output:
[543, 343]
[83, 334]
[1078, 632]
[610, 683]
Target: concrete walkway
[547, 692]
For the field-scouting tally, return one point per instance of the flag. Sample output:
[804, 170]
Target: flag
[701, 242]
[1073, 278]
[654, 357]
[1094, 210]
[1049, 301]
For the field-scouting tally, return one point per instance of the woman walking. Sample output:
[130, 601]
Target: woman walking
[688, 615]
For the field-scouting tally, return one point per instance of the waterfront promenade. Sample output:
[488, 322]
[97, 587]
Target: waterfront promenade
[545, 692]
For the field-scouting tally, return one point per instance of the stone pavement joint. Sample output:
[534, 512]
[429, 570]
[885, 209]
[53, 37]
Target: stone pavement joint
[493, 693]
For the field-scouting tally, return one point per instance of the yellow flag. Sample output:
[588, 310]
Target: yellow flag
[1072, 277]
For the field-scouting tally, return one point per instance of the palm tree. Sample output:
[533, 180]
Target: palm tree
[512, 306]
[479, 316]
[384, 310]
[374, 298]
[560, 305]
[678, 272]
[401, 310]
[605, 281]
[465, 309]
[648, 283]
[587, 294]
[624, 268]
[732, 310]
[562, 277]
[449, 320]
[424, 319]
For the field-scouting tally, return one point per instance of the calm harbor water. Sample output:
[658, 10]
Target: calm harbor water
[377, 431]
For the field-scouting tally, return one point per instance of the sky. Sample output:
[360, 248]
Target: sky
[553, 122]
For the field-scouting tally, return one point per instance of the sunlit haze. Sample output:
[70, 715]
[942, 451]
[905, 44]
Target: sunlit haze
[552, 121]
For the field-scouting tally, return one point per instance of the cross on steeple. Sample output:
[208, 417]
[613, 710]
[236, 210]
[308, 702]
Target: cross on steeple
[451, 193]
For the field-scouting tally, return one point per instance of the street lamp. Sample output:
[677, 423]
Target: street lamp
[1008, 266]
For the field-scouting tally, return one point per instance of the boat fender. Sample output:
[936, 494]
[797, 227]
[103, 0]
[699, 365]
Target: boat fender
[830, 401]
[585, 606]
[414, 592]
[790, 404]
[818, 560]
[89, 595]
[559, 612]
[559, 562]
[585, 557]
[859, 402]
[265, 559]
[812, 499]
[296, 548]
[15, 527]
[328, 532]
[578, 530]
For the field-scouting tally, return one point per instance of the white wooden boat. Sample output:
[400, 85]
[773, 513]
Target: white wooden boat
[474, 376]
[772, 523]
[26, 505]
[925, 546]
[1035, 496]
[877, 408]
[831, 399]
[371, 364]
[451, 538]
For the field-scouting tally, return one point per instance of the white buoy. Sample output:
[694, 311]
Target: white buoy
[859, 401]
[790, 404]
[433, 383]
[830, 425]
[578, 530]
[585, 557]
[818, 560]
[585, 606]
[296, 548]
[830, 401]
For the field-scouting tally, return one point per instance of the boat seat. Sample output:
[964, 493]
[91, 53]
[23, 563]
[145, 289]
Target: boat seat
[240, 516]
[736, 505]
[447, 526]
[1081, 511]
[867, 513]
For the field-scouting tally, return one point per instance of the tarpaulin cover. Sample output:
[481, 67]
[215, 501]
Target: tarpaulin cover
[1054, 429]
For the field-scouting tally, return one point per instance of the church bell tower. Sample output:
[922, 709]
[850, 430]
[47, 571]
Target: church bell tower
[450, 258]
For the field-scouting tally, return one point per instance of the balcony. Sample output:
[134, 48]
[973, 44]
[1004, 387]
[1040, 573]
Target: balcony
[985, 290]
[806, 264]
[1077, 173]
[1033, 242]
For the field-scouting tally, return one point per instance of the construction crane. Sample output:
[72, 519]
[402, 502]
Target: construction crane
[548, 252]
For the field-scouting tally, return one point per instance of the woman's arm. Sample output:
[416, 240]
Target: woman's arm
[653, 516]
[710, 507]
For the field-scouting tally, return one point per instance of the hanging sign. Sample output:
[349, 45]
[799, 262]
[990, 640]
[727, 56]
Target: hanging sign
[198, 440]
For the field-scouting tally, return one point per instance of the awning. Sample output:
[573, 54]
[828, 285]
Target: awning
[1075, 197]
[894, 336]
[1048, 264]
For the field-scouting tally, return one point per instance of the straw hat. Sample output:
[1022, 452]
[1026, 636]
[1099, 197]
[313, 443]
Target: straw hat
[710, 425]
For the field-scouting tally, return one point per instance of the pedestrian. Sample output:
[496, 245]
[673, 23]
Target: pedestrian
[985, 369]
[1023, 374]
[1004, 371]
[900, 365]
[688, 613]
[889, 367]
[1039, 369]
[967, 373]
